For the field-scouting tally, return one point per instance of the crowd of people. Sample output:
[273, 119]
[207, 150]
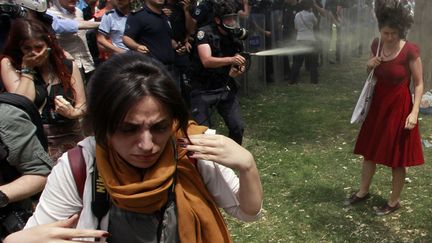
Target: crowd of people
[133, 91]
[159, 168]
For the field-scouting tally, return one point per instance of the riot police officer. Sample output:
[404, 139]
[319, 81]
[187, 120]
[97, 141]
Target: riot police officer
[215, 63]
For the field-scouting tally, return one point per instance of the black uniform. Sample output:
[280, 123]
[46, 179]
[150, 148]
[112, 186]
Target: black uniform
[213, 87]
[179, 34]
[153, 30]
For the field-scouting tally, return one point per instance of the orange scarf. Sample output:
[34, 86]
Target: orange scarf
[145, 190]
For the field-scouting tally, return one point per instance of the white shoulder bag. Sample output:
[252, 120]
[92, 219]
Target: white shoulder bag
[363, 103]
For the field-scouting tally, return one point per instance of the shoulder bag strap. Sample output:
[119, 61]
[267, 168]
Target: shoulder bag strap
[378, 48]
[377, 54]
[100, 199]
[78, 167]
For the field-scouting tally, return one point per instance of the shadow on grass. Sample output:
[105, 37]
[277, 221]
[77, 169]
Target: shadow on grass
[340, 221]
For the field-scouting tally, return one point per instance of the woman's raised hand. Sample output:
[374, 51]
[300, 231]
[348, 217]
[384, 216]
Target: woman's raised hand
[32, 59]
[219, 149]
[373, 62]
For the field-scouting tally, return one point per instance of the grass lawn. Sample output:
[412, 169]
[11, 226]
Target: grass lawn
[303, 141]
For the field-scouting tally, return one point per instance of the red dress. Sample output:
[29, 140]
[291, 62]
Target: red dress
[383, 138]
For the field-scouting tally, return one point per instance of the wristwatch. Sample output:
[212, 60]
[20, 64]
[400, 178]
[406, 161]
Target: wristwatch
[4, 200]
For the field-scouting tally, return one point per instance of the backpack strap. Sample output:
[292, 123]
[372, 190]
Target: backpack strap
[100, 203]
[78, 167]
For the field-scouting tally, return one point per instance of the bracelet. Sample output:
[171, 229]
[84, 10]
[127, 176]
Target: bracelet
[27, 75]
[26, 70]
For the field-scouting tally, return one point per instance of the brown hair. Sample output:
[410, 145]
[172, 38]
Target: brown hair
[393, 14]
[121, 82]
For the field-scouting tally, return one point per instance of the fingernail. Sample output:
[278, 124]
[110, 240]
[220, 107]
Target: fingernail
[106, 234]
[183, 145]
[190, 153]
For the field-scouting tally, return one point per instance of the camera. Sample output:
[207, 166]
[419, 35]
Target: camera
[14, 220]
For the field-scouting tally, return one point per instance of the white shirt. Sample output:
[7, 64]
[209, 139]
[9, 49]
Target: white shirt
[60, 199]
[74, 43]
[304, 22]
[112, 25]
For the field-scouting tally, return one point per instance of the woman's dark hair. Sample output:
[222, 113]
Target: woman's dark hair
[25, 29]
[393, 14]
[307, 4]
[224, 7]
[121, 82]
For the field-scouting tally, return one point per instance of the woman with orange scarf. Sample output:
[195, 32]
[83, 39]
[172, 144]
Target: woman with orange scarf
[166, 177]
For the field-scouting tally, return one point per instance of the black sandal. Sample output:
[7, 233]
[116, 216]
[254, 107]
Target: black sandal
[387, 209]
[354, 199]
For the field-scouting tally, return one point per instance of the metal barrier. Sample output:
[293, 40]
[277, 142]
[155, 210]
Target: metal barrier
[359, 28]
[254, 79]
[276, 42]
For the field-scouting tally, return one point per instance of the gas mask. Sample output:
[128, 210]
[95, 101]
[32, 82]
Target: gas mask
[230, 23]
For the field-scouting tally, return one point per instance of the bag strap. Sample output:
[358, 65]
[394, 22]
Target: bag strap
[78, 167]
[100, 203]
[378, 48]
[371, 73]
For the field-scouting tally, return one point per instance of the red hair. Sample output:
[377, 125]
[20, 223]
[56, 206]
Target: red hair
[23, 30]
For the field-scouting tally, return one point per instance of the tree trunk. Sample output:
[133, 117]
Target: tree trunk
[421, 33]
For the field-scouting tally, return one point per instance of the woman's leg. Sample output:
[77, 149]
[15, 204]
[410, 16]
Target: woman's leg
[398, 181]
[368, 171]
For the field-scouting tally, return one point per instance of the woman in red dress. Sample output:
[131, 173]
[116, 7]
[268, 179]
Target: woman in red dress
[390, 134]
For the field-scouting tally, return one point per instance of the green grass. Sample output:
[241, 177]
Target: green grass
[302, 141]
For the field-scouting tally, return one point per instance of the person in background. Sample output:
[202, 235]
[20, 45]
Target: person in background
[75, 43]
[289, 8]
[89, 8]
[215, 63]
[103, 7]
[112, 27]
[305, 21]
[24, 163]
[183, 29]
[158, 167]
[204, 11]
[148, 31]
[334, 9]
[390, 133]
[35, 66]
